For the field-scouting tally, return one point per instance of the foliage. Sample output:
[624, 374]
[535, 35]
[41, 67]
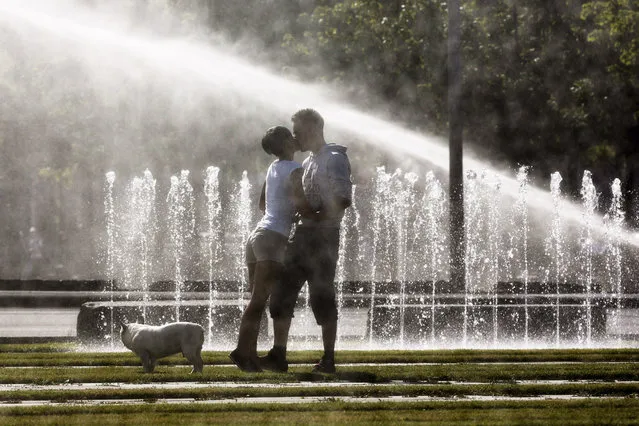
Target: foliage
[549, 84]
[398, 48]
[617, 23]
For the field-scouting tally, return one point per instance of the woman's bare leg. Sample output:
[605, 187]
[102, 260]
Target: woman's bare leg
[265, 274]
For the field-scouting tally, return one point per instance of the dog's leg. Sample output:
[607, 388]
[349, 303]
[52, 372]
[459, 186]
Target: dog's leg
[148, 363]
[153, 361]
[198, 366]
[194, 356]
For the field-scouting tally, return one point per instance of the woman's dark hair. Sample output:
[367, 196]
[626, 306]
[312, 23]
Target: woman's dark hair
[274, 140]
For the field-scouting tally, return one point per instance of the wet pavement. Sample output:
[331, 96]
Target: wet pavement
[38, 322]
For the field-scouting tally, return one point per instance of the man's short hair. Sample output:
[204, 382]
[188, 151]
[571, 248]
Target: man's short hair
[274, 140]
[308, 116]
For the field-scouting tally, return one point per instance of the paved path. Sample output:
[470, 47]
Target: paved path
[290, 400]
[362, 364]
[234, 385]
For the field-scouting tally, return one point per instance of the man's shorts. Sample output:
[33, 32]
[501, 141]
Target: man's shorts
[311, 256]
[264, 244]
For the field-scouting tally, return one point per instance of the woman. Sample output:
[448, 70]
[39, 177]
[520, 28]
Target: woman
[282, 195]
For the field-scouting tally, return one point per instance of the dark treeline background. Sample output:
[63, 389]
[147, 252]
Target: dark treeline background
[553, 85]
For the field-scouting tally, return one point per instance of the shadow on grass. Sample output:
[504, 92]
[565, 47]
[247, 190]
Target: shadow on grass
[346, 376]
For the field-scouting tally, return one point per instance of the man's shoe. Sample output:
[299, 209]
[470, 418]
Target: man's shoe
[325, 365]
[274, 362]
[245, 364]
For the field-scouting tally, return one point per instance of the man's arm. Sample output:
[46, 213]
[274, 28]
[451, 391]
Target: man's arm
[339, 174]
[335, 206]
[262, 202]
[299, 199]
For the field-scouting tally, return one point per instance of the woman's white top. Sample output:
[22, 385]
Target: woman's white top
[279, 201]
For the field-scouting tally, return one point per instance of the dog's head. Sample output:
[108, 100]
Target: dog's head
[124, 331]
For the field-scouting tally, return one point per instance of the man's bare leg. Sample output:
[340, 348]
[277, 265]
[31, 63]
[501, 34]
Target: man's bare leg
[329, 335]
[281, 327]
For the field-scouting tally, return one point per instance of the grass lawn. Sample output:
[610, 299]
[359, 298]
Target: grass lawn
[602, 381]
[467, 372]
[69, 354]
[543, 412]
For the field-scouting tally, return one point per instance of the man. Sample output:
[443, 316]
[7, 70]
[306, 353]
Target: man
[313, 248]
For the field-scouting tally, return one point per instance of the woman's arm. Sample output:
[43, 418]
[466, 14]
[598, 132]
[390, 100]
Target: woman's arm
[262, 202]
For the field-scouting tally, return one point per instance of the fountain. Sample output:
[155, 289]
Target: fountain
[522, 290]
[555, 246]
[181, 228]
[109, 213]
[139, 229]
[407, 301]
[213, 236]
[615, 218]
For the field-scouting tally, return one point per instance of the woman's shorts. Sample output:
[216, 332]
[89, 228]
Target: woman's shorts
[264, 244]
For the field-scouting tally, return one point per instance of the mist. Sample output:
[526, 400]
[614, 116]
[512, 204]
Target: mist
[125, 88]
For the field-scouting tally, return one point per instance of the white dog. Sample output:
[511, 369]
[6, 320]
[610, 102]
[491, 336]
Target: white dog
[151, 343]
